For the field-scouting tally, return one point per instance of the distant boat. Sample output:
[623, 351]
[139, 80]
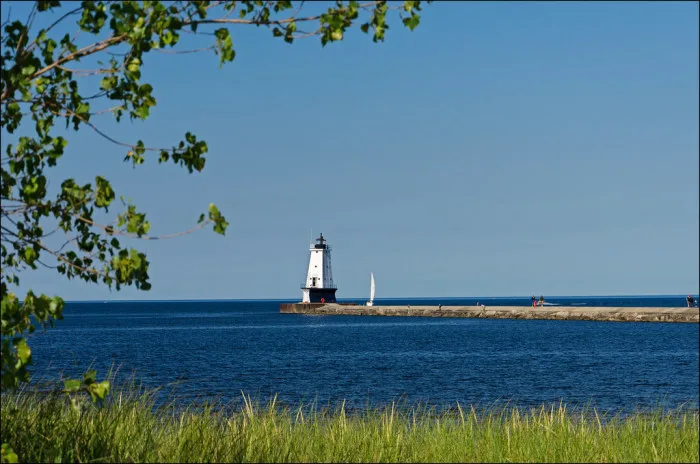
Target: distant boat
[371, 290]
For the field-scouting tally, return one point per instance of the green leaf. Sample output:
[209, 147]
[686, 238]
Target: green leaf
[28, 70]
[98, 391]
[134, 65]
[8, 455]
[167, 37]
[82, 108]
[89, 377]
[108, 83]
[71, 385]
[104, 195]
[24, 353]
[44, 5]
[29, 255]
[220, 223]
[220, 226]
[224, 46]
[410, 5]
[213, 210]
[412, 21]
[142, 111]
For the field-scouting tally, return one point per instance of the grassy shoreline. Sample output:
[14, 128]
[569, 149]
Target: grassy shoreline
[42, 428]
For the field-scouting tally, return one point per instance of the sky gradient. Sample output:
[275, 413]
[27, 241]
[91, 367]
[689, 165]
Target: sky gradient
[500, 149]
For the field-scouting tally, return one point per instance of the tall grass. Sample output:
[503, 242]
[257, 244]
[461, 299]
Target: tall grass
[130, 428]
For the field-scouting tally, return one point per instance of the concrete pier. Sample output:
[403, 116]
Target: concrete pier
[565, 313]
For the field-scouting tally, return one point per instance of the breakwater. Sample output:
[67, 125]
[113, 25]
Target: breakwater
[621, 314]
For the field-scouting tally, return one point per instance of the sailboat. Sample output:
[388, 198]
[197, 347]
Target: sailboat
[371, 290]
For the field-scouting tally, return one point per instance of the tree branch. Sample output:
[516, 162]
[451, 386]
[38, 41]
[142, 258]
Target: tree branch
[70, 113]
[85, 51]
[277, 22]
[33, 43]
[182, 52]
[65, 260]
[9, 15]
[91, 72]
[142, 237]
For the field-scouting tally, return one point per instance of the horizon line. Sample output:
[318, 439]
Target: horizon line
[377, 299]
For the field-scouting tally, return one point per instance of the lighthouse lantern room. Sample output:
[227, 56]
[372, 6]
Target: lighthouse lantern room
[319, 286]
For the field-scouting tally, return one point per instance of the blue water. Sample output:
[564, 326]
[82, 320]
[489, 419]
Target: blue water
[216, 349]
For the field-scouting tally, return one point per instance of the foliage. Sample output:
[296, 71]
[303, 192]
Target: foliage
[130, 429]
[97, 390]
[42, 81]
[7, 454]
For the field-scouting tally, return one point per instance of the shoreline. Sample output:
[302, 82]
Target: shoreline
[562, 313]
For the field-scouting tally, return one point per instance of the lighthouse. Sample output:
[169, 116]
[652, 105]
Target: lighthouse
[319, 286]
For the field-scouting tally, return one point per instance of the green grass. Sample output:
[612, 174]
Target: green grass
[45, 428]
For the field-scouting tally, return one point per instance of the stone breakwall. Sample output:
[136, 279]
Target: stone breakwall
[564, 313]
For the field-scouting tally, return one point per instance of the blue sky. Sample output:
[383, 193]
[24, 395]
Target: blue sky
[499, 149]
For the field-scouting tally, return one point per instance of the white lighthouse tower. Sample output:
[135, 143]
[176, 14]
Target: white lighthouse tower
[319, 286]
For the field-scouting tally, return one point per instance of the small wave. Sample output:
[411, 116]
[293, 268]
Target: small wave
[551, 304]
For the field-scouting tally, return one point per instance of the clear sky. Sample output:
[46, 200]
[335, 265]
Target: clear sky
[500, 149]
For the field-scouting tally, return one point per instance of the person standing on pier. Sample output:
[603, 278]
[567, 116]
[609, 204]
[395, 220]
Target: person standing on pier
[541, 300]
[534, 301]
[690, 300]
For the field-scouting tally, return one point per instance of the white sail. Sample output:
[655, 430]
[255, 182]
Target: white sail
[371, 289]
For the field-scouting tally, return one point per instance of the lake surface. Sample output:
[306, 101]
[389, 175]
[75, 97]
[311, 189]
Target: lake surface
[217, 349]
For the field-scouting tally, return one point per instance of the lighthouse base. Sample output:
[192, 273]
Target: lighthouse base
[315, 295]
